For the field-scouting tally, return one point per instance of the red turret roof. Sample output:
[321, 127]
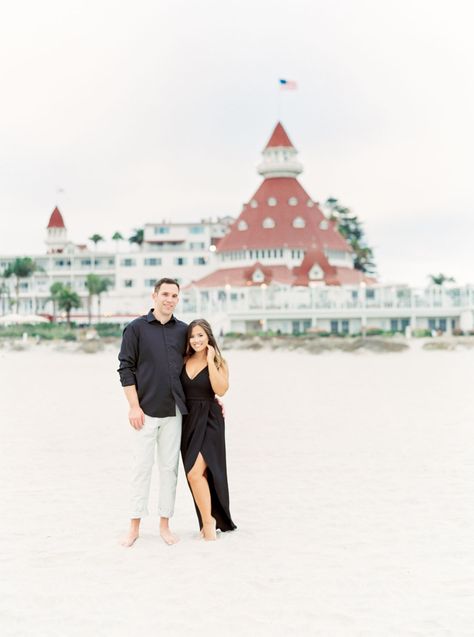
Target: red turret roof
[56, 220]
[317, 231]
[279, 137]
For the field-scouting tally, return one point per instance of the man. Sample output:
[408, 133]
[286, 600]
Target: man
[151, 359]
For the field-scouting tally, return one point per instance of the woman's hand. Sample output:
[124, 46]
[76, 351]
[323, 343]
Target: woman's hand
[211, 352]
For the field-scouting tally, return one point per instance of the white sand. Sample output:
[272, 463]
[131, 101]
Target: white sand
[351, 479]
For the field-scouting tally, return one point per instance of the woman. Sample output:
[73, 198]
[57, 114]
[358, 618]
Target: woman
[204, 375]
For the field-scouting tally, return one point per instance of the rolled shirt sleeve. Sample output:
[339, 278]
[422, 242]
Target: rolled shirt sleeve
[128, 357]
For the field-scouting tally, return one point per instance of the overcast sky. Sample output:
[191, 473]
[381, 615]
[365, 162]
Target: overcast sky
[149, 110]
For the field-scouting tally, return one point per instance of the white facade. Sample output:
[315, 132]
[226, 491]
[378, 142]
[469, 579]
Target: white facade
[184, 251]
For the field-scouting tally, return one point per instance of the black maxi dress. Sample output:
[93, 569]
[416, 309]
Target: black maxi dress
[204, 431]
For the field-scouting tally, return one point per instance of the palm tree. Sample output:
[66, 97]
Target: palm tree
[96, 238]
[439, 279]
[137, 237]
[67, 301]
[93, 286]
[55, 290]
[117, 237]
[20, 268]
[103, 286]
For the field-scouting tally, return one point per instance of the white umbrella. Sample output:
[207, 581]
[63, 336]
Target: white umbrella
[20, 319]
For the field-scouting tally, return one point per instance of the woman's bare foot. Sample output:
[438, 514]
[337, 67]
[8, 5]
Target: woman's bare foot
[209, 530]
[133, 533]
[165, 533]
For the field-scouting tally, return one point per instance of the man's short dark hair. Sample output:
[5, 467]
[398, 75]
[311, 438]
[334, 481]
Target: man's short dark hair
[160, 282]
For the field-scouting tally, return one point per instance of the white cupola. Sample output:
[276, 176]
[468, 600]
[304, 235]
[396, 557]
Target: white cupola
[279, 156]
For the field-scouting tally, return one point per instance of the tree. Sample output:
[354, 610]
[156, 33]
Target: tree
[67, 301]
[93, 286]
[117, 237]
[96, 286]
[352, 230]
[55, 290]
[103, 286]
[137, 237]
[439, 279]
[20, 268]
[96, 238]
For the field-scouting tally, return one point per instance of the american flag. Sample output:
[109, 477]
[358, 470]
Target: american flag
[288, 85]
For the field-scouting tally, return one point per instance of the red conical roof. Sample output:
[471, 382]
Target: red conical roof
[56, 220]
[283, 234]
[279, 137]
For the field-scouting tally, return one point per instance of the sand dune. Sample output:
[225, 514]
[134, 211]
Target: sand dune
[351, 480]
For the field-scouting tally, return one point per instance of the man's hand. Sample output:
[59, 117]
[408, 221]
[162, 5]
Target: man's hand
[136, 417]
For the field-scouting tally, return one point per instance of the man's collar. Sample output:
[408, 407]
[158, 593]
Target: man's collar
[150, 317]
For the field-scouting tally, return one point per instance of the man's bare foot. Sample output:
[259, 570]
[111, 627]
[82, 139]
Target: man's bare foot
[165, 532]
[130, 539]
[209, 530]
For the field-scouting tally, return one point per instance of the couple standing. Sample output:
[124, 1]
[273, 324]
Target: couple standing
[171, 373]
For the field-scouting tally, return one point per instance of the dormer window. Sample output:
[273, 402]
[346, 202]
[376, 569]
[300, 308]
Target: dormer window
[324, 225]
[272, 201]
[258, 276]
[316, 273]
[242, 225]
[299, 222]
[254, 203]
[293, 201]
[310, 203]
[268, 222]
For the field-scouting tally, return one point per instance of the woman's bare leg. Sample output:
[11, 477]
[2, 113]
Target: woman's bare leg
[202, 496]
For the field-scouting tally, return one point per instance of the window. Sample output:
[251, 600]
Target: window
[128, 283]
[299, 222]
[310, 203]
[197, 245]
[150, 283]
[199, 261]
[253, 203]
[394, 325]
[258, 276]
[152, 261]
[180, 261]
[162, 230]
[370, 294]
[324, 225]
[268, 222]
[196, 230]
[242, 225]
[293, 201]
[128, 262]
[272, 201]
[345, 327]
[334, 327]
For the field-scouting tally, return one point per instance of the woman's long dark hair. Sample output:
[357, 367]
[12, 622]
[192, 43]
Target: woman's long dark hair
[212, 341]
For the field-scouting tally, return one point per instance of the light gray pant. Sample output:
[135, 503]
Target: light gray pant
[164, 434]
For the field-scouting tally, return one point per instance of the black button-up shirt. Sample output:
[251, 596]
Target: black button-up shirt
[151, 358]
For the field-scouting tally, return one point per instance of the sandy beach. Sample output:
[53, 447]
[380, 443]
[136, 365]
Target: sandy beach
[351, 479]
